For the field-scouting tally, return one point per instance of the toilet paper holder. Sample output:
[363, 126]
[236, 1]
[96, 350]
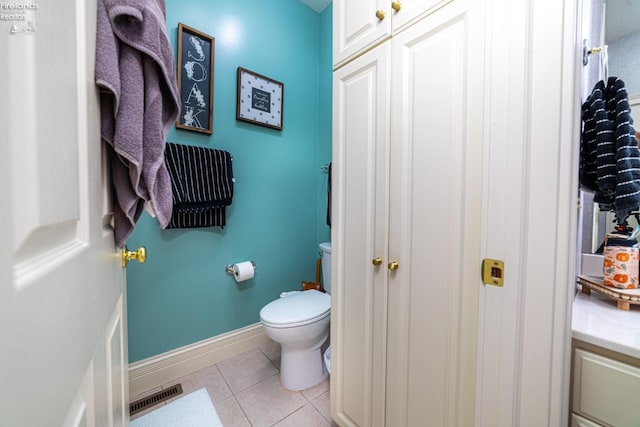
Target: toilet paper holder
[229, 268]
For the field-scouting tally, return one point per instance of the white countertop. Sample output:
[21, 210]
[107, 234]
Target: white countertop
[597, 320]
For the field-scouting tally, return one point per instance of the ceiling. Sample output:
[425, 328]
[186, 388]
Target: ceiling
[317, 5]
[623, 18]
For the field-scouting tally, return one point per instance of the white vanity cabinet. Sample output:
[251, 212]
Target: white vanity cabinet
[361, 24]
[605, 387]
[407, 150]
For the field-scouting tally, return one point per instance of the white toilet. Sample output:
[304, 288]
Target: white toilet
[299, 321]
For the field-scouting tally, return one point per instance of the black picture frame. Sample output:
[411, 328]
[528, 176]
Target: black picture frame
[195, 79]
[260, 99]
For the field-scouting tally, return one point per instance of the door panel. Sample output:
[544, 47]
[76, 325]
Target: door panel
[62, 284]
[435, 226]
[413, 10]
[356, 27]
[359, 234]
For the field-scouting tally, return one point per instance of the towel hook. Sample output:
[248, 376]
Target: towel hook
[586, 51]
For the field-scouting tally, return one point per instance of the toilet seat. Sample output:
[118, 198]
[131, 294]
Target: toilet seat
[296, 310]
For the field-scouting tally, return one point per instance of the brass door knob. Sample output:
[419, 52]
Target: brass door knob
[396, 5]
[140, 255]
[393, 266]
[380, 14]
[376, 261]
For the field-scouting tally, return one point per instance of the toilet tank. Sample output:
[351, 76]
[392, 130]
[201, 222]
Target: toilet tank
[325, 255]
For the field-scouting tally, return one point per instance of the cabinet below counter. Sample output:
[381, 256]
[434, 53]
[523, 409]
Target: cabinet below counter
[597, 320]
[605, 371]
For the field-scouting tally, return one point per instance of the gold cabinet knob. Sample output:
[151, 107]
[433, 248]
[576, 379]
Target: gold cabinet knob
[396, 5]
[140, 255]
[380, 14]
[376, 261]
[393, 266]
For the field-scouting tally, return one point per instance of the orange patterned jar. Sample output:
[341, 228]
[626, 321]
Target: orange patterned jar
[621, 258]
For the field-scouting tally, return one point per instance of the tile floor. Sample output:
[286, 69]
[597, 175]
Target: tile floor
[246, 392]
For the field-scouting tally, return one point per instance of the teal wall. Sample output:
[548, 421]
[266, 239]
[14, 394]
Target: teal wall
[182, 295]
[326, 87]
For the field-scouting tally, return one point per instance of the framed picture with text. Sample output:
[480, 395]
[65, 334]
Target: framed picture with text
[260, 99]
[195, 80]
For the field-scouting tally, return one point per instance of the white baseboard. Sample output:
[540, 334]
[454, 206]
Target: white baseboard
[161, 369]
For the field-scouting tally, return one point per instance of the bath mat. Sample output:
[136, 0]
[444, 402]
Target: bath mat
[193, 410]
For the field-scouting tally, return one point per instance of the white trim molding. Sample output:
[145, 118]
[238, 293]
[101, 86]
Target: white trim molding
[166, 367]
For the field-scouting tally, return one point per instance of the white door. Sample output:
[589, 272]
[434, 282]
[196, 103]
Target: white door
[62, 327]
[407, 12]
[358, 24]
[359, 236]
[435, 225]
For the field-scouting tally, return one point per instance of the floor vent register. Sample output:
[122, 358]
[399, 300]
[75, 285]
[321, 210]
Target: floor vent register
[154, 399]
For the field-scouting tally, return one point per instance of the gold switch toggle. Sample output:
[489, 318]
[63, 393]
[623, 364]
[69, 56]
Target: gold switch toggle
[493, 272]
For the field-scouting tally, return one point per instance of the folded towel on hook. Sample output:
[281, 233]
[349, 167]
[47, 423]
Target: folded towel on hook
[201, 184]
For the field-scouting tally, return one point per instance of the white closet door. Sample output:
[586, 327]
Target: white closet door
[63, 359]
[359, 235]
[436, 158]
[357, 25]
[412, 10]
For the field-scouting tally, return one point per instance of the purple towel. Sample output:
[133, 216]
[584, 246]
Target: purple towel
[139, 103]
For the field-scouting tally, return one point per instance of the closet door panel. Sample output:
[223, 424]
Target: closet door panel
[434, 231]
[412, 10]
[359, 234]
[357, 27]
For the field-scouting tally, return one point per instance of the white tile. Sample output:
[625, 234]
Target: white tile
[246, 369]
[323, 404]
[317, 390]
[211, 378]
[268, 402]
[272, 351]
[306, 416]
[231, 414]
[246, 391]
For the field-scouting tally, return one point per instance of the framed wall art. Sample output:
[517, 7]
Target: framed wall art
[195, 79]
[260, 99]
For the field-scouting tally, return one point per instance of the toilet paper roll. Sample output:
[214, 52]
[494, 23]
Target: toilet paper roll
[243, 271]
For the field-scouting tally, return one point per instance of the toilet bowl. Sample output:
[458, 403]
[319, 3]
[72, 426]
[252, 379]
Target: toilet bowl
[299, 322]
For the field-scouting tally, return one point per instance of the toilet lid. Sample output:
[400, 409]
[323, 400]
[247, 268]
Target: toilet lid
[294, 310]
